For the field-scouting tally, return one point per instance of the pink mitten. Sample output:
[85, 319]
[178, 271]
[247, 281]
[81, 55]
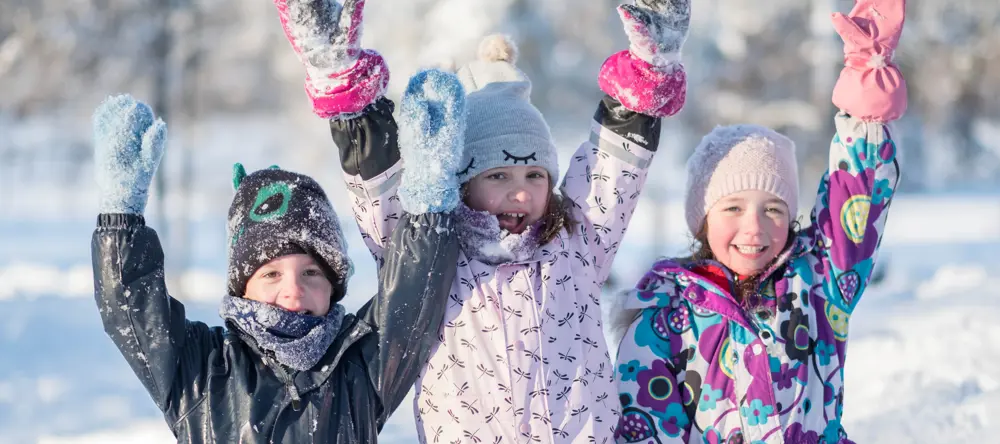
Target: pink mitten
[649, 78]
[341, 78]
[870, 85]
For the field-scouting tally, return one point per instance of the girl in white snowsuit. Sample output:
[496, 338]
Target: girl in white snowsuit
[522, 355]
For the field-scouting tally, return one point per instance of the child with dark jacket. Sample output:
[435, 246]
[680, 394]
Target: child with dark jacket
[290, 365]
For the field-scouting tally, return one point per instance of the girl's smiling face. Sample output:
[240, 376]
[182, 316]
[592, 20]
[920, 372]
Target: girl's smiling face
[747, 230]
[517, 195]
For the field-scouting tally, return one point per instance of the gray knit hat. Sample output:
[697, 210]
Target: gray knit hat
[503, 127]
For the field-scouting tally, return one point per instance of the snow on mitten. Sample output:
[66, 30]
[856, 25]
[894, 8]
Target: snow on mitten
[649, 77]
[870, 86]
[431, 142]
[128, 146]
[341, 78]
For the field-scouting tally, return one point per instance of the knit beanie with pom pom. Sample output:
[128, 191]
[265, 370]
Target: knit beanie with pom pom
[503, 127]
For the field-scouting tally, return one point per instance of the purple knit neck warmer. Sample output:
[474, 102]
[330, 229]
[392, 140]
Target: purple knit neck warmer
[482, 239]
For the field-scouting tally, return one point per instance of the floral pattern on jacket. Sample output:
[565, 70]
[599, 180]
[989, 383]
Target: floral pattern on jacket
[696, 366]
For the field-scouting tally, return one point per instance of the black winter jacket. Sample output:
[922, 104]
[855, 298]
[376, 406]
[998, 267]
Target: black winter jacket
[215, 387]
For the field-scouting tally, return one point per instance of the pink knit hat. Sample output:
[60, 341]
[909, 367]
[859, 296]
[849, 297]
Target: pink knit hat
[736, 158]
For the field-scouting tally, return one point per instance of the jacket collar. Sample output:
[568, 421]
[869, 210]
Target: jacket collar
[671, 278]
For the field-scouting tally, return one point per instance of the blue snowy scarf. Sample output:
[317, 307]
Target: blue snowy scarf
[298, 341]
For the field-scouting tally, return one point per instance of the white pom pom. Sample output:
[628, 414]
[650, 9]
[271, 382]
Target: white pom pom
[498, 48]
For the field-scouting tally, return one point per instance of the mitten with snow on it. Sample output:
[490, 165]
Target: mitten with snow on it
[870, 86]
[341, 77]
[128, 146]
[649, 77]
[432, 122]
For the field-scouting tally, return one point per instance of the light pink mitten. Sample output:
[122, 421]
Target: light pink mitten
[870, 85]
[341, 78]
[649, 77]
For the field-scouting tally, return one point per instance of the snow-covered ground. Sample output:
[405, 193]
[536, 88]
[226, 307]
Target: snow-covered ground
[924, 360]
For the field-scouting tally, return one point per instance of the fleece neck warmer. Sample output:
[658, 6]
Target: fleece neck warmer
[298, 341]
[483, 240]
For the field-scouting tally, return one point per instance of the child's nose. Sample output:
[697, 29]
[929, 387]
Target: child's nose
[753, 222]
[291, 295]
[520, 195]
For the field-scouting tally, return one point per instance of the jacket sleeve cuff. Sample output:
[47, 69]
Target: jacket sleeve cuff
[368, 143]
[120, 220]
[640, 129]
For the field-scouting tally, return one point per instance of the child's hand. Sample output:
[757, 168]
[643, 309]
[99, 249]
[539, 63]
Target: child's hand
[431, 142]
[656, 29]
[870, 86]
[128, 146]
[649, 78]
[341, 78]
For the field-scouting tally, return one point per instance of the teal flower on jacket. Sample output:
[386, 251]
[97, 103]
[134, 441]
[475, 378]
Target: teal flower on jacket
[881, 192]
[825, 351]
[708, 399]
[630, 370]
[832, 431]
[756, 413]
[653, 333]
[673, 421]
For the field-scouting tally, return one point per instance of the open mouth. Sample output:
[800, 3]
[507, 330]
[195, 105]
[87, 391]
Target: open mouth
[513, 222]
[751, 251]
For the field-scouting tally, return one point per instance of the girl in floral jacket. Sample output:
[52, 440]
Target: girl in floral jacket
[745, 341]
[521, 354]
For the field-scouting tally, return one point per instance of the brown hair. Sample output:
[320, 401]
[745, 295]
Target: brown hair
[701, 251]
[558, 214]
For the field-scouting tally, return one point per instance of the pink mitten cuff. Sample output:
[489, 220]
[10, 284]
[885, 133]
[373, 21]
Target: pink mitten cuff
[643, 88]
[350, 91]
[870, 86]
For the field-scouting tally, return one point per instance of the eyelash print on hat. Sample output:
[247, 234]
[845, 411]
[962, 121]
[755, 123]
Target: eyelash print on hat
[472, 162]
[516, 159]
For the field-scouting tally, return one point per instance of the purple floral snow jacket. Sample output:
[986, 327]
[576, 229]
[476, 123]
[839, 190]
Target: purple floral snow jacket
[696, 366]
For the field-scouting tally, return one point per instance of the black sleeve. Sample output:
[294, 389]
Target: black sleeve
[420, 266]
[639, 128]
[369, 143]
[147, 325]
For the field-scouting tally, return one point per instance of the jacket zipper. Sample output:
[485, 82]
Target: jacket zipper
[296, 401]
[289, 382]
[290, 386]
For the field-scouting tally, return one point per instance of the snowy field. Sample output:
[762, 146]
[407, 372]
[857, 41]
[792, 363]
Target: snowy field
[923, 364]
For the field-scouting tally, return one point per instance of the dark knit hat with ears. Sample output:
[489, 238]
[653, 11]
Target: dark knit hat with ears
[275, 213]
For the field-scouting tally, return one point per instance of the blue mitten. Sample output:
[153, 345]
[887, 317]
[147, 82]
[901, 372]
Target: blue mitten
[128, 146]
[431, 142]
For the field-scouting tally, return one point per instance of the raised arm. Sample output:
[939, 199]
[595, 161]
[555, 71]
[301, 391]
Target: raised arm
[854, 195]
[606, 176]
[421, 257]
[347, 84]
[146, 324]
[643, 84]
[369, 157]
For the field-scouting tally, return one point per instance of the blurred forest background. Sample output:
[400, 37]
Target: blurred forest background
[229, 86]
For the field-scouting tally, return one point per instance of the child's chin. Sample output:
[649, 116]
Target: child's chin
[746, 268]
